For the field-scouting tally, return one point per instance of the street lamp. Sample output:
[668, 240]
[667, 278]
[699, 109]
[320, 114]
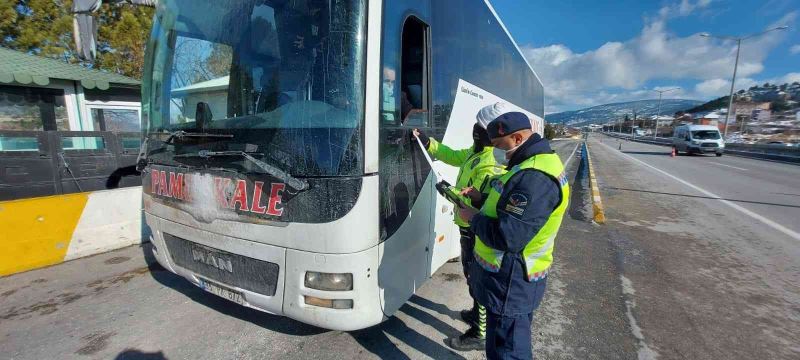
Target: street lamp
[661, 92]
[736, 64]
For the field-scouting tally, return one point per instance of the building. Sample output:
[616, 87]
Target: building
[760, 115]
[711, 118]
[663, 120]
[65, 128]
[42, 94]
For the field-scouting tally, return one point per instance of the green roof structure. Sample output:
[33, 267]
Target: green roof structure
[19, 67]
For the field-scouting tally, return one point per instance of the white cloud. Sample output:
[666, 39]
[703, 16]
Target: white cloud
[610, 72]
[686, 7]
[795, 49]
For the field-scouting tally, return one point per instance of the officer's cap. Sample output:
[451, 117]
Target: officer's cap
[508, 123]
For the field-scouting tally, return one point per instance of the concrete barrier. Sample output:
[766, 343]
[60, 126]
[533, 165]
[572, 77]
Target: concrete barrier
[44, 231]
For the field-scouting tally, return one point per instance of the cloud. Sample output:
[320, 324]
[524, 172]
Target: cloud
[612, 71]
[795, 49]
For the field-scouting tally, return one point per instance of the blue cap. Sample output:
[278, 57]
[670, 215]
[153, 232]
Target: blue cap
[508, 123]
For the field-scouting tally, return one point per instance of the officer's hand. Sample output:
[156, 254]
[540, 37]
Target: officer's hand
[472, 194]
[417, 133]
[466, 213]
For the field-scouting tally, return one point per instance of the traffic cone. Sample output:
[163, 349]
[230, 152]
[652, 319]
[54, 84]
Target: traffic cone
[673, 153]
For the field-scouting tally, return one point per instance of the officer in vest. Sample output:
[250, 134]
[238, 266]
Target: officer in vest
[515, 231]
[477, 164]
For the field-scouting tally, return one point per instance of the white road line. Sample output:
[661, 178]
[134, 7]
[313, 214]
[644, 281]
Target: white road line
[644, 352]
[749, 213]
[571, 155]
[737, 168]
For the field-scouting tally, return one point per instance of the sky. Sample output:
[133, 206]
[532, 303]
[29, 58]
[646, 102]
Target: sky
[597, 52]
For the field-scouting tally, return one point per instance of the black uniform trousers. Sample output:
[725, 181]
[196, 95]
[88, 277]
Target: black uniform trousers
[467, 257]
[509, 337]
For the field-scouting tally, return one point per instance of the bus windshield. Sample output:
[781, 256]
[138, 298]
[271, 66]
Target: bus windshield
[280, 79]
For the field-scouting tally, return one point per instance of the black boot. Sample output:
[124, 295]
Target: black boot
[468, 341]
[470, 316]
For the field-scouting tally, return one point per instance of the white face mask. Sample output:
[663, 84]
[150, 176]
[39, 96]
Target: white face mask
[502, 156]
[499, 156]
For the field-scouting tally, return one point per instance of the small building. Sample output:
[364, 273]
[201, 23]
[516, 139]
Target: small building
[663, 120]
[760, 115]
[65, 128]
[711, 118]
[42, 94]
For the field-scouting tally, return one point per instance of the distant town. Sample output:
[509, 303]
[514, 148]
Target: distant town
[765, 114]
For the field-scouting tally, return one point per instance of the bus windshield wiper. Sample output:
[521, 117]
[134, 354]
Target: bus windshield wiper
[180, 134]
[293, 182]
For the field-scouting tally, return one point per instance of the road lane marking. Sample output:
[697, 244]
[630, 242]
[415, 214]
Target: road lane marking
[571, 155]
[737, 168]
[644, 352]
[749, 213]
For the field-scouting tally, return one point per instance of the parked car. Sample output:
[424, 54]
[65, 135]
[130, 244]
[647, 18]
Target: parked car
[699, 139]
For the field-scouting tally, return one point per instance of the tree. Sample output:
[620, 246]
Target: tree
[44, 27]
[549, 132]
[122, 35]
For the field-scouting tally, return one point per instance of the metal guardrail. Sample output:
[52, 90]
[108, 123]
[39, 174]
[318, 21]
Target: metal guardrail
[755, 151]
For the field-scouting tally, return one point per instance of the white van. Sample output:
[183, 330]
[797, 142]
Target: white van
[698, 139]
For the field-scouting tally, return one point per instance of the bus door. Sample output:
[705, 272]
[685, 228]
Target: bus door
[406, 182]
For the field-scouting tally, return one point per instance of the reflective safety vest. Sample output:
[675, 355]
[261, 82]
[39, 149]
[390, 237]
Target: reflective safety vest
[538, 253]
[474, 168]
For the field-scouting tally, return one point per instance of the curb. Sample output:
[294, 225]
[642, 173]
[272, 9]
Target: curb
[597, 202]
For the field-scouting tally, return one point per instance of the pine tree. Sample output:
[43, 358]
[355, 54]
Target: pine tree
[44, 27]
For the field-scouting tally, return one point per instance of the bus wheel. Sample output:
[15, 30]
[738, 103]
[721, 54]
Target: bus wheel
[719, 154]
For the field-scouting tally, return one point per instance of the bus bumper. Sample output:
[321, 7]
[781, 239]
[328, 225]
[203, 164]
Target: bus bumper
[290, 296]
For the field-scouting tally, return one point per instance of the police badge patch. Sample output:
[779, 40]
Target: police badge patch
[516, 203]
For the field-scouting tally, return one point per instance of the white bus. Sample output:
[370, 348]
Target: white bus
[279, 168]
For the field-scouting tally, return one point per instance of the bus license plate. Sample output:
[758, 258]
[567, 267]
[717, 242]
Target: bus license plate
[222, 291]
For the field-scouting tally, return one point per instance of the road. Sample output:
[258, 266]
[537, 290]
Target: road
[676, 272]
[709, 248]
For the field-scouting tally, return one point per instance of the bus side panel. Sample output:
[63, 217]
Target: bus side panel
[470, 44]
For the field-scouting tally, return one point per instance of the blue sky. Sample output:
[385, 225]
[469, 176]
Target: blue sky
[595, 52]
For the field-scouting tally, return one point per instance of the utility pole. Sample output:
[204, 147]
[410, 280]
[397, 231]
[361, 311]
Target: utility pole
[736, 65]
[658, 115]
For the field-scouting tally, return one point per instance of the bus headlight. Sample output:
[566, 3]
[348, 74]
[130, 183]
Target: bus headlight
[328, 282]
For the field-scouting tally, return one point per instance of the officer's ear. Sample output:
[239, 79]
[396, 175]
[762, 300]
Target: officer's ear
[518, 138]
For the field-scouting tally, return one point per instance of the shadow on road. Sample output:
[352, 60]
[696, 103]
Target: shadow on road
[579, 186]
[374, 339]
[133, 354]
[279, 324]
[705, 197]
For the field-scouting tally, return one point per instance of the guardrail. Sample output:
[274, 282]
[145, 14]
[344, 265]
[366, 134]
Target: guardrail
[767, 152]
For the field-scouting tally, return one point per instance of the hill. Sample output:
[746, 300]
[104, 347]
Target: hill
[609, 112]
[780, 96]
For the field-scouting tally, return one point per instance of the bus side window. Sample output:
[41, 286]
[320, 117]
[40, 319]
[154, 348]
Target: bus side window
[414, 79]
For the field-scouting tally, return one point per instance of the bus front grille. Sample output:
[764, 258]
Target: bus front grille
[227, 268]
